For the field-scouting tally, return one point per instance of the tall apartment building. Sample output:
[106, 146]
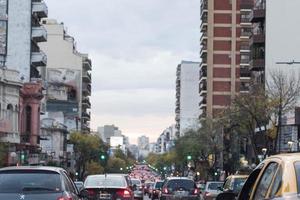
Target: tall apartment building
[20, 51]
[187, 97]
[275, 40]
[107, 131]
[68, 79]
[225, 53]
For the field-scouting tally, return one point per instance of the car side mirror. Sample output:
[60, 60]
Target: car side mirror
[83, 194]
[226, 196]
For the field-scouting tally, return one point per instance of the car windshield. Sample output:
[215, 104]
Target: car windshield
[181, 184]
[136, 182]
[102, 181]
[29, 181]
[214, 186]
[238, 184]
[158, 185]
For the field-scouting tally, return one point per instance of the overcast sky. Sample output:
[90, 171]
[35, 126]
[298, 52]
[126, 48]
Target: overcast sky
[135, 47]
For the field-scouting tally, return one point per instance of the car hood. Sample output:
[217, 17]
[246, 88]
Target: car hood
[24, 196]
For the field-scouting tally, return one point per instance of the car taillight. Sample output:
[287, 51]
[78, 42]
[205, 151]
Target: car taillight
[124, 193]
[196, 191]
[165, 190]
[65, 198]
[91, 192]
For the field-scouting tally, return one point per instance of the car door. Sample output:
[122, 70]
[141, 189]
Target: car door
[265, 181]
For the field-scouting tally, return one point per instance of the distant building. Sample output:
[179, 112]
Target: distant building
[187, 97]
[166, 140]
[134, 150]
[107, 131]
[68, 79]
[143, 143]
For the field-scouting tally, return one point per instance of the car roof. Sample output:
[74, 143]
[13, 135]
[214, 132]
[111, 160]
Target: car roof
[238, 176]
[46, 168]
[178, 178]
[107, 175]
[286, 157]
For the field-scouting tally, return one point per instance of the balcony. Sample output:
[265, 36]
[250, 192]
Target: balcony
[203, 74]
[246, 33]
[202, 88]
[39, 34]
[203, 51]
[203, 7]
[203, 102]
[38, 58]
[86, 89]
[244, 48]
[245, 73]
[40, 9]
[245, 60]
[258, 14]
[10, 137]
[246, 4]
[87, 63]
[86, 77]
[245, 19]
[244, 87]
[86, 116]
[257, 38]
[86, 103]
[203, 37]
[204, 20]
[257, 64]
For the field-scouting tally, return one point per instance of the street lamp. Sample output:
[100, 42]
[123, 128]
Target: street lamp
[290, 144]
[264, 151]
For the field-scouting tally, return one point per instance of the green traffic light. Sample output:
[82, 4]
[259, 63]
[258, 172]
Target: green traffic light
[102, 157]
[189, 157]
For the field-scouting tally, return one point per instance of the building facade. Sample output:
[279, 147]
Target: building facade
[225, 53]
[68, 79]
[187, 97]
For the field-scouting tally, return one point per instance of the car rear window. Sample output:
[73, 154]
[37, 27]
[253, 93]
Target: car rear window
[102, 181]
[29, 181]
[158, 185]
[136, 182]
[214, 186]
[181, 184]
[238, 184]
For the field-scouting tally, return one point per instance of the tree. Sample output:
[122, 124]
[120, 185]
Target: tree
[116, 165]
[94, 168]
[283, 90]
[87, 148]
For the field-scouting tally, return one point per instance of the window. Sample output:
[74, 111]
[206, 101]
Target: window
[297, 169]
[265, 181]
[276, 184]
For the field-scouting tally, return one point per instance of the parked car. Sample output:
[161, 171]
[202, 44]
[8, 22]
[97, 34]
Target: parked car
[36, 183]
[138, 189]
[277, 178]
[108, 186]
[156, 191]
[212, 189]
[179, 188]
[79, 185]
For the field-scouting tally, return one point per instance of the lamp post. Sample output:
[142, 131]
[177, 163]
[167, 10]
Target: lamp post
[290, 144]
[264, 151]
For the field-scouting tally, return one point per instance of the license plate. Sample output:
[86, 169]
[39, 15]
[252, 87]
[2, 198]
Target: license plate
[104, 196]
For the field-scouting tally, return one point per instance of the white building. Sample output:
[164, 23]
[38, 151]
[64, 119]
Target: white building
[68, 78]
[187, 97]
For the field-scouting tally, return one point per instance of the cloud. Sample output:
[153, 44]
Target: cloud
[135, 47]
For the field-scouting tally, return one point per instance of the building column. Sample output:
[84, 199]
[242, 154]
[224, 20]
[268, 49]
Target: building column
[35, 121]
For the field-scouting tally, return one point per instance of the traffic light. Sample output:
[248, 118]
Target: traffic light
[102, 157]
[189, 157]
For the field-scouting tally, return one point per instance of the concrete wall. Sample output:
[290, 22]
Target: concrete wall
[19, 37]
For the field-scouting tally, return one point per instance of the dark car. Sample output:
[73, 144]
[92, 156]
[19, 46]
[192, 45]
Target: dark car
[36, 183]
[108, 186]
[179, 188]
[156, 191]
